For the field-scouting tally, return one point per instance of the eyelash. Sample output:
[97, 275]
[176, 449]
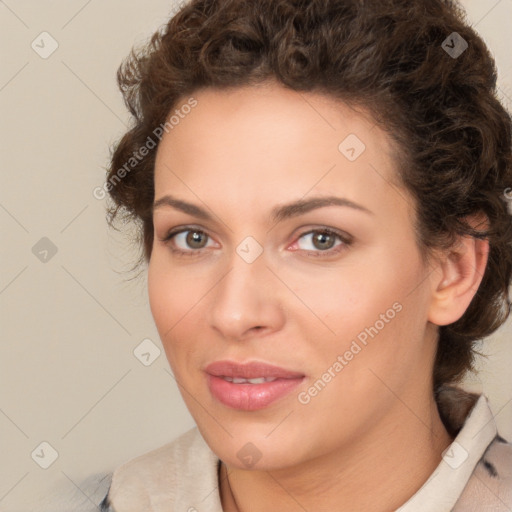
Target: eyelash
[346, 242]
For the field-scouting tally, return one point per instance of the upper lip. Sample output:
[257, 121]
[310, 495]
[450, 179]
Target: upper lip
[250, 370]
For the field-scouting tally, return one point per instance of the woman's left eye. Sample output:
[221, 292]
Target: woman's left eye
[322, 241]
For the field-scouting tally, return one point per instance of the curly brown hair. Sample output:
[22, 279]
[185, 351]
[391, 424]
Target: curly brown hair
[390, 56]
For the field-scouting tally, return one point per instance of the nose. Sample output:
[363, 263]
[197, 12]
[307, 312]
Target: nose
[246, 300]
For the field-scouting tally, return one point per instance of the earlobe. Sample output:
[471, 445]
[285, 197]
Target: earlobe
[456, 279]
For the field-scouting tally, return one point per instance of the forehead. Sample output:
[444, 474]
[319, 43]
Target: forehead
[271, 142]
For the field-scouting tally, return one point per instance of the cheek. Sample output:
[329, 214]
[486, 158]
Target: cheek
[160, 301]
[172, 291]
[374, 301]
[345, 298]
[175, 297]
[167, 306]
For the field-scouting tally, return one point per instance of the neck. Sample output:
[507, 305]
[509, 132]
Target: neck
[392, 461]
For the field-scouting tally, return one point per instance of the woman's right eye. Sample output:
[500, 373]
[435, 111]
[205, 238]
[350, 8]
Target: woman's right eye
[186, 241]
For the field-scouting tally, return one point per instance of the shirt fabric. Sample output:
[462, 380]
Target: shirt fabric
[474, 475]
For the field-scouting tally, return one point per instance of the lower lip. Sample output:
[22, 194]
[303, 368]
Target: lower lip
[250, 397]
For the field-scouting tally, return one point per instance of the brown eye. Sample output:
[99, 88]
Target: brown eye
[196, 239]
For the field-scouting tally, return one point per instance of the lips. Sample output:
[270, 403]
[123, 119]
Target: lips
[250, 386]
[251, 370]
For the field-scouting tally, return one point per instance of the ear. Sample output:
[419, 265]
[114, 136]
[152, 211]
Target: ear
[457, 276]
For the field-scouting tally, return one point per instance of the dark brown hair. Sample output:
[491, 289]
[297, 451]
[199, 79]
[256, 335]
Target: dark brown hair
[395, 58]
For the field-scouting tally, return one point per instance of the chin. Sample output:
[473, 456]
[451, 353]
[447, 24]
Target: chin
[251, 447]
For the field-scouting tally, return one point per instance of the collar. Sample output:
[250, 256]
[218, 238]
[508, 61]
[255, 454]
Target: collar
[476, 430]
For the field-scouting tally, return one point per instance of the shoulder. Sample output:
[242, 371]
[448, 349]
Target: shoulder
[497, 459]
[491, 481]
[67, 493]
[158, 475]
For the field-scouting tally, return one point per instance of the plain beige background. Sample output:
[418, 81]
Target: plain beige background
[70, 321]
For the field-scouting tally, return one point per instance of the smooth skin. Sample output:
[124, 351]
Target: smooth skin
[372, 436]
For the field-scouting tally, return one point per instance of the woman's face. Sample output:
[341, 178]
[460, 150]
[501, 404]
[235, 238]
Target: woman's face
[261, 281]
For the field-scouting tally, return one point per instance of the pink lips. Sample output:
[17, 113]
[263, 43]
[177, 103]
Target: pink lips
[247, 396]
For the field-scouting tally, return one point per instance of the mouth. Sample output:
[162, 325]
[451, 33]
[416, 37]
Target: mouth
[256, 380]
[250, 386]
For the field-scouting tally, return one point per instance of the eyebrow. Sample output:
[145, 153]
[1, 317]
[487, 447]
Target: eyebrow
[278, 213]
